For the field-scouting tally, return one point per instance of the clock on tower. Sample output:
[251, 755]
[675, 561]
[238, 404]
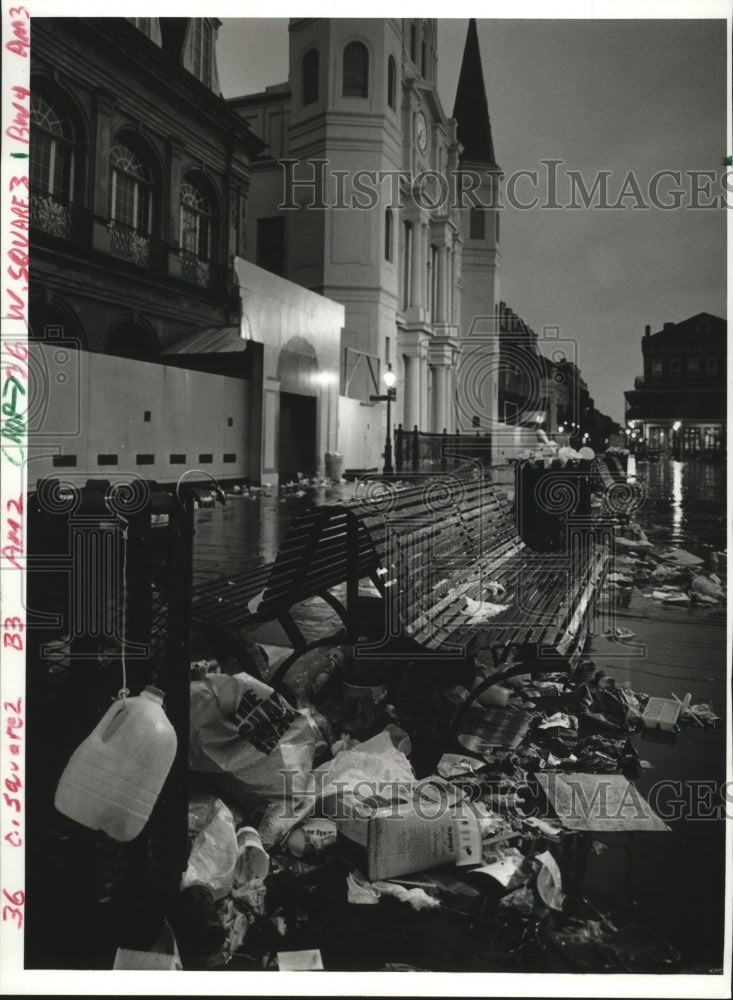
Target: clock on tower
[421, 132]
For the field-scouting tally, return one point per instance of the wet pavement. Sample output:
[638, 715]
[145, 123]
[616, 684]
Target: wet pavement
[673, 883]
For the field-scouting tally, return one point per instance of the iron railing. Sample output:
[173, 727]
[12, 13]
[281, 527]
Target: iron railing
[50, 214]
[194, 269]
[422, 451]
[129, 243]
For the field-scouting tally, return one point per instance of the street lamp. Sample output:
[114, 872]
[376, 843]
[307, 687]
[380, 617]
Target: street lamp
[389, 378]
[675, 439]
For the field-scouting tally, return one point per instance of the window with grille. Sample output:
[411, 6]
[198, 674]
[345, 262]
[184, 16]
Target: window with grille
[356, 70]
[52, 151]
[202, 50]
[131, 202]
[195, 221]
[693, 368]
[477, 230]
[310, 76]
[391, 82]
[195, 233]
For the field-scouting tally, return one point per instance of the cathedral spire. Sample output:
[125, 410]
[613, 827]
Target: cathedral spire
[471, 109]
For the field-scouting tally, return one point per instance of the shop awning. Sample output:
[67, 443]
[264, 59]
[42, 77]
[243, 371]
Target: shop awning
[210, 340]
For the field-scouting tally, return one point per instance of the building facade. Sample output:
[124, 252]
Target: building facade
[140, 174]
[678, 406]
[355, 198]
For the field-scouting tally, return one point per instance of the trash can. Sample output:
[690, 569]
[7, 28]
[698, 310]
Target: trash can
[546, 497]
[334, 464]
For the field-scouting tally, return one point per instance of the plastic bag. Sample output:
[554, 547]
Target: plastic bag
[256, 746]
[375, 768]
[213, 856]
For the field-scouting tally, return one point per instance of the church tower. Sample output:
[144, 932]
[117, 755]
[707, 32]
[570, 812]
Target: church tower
[479, 215]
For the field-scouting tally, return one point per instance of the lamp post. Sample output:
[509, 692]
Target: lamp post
[675, 439]
[389, 378]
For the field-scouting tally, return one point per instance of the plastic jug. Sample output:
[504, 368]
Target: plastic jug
[113, 779]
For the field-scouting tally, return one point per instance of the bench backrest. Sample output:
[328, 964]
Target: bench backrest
[437, 526]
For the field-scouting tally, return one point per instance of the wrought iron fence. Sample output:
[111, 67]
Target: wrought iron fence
[424, 451]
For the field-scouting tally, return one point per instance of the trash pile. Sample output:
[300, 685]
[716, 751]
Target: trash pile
[355, 821]
[249, 491]
[669, 576]
[304, 485]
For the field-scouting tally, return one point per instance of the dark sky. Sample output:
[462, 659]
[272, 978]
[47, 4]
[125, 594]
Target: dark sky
[618, 96]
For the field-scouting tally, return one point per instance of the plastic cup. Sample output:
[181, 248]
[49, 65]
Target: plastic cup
[312, 837]
[253, 861]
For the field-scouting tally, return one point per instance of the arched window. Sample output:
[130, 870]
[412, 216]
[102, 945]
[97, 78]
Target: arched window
[202, 50]
[388, 234]
[310, 76]
[356, 70]
[477, 224]
[195, 233]
[130, 204]
[51, 168]
[149, 26]
[391, 81]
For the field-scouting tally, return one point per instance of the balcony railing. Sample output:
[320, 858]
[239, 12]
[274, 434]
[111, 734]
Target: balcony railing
[129, 244]
[195, 270]
[50, 215]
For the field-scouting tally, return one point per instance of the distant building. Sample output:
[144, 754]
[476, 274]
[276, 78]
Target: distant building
[678, 406]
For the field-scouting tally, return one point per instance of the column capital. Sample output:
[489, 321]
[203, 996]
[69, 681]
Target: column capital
[442, 354]
[104, 101]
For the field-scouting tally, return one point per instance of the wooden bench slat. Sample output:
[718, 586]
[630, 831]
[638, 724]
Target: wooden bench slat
[427, 547]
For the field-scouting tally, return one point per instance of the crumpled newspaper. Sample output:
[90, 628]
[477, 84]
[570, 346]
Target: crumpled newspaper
[482, 611]
[700, 714]
[560, 720]
[364, 892]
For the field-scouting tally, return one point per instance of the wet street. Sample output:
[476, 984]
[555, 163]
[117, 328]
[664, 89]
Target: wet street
[672, 883]
[685, 504]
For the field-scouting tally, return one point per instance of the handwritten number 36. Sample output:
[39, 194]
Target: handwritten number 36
[12, 912]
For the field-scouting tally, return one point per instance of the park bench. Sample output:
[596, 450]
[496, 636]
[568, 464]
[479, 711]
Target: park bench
[220, 611]
[604, 478]
[426, 550]
[622, 494]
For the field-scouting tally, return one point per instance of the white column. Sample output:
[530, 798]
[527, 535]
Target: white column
[441, 285]
[449, 293]
[440, 394]
[416, 265]
[412, 392]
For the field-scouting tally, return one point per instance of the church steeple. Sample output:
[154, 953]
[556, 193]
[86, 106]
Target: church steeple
[471, 109]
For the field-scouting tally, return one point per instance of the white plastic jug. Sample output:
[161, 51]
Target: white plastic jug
[113, 779]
